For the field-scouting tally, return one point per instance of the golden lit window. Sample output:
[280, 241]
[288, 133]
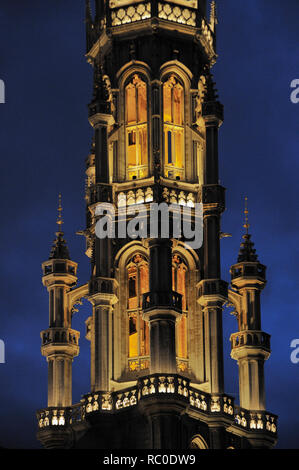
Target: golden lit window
[173, 116]
[138, 330]
[136, 128]
[179, 272]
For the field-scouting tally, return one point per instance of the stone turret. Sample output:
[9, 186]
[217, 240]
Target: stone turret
[60, 343]
[250, 345]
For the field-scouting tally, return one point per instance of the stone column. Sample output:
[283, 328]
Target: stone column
[60, 343]
[161, 307]
[100, 122]
[250, 345]
[100, 340]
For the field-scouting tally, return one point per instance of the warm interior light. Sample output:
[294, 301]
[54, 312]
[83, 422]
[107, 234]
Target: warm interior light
[138, 284]
[136, 128]
[173, 105]
[179, 270]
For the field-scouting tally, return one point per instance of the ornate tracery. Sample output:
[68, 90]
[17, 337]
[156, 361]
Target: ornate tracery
[138, 330]
[173, 117]
[179, 273]
[136, 128]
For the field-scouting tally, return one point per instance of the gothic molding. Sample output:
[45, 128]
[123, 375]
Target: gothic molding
[127, 251]
[134, 66]
[177, 67]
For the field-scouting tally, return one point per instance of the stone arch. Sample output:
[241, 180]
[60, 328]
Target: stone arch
[183, 167]
[128, 251]
[198, 442]
[177, 68]
[193, 315]
[124, 76]
[122, 318]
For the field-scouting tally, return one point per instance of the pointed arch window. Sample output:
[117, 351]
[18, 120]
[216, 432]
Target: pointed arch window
[179, 275]
[173, 116]
[136, 128]
[138, 330]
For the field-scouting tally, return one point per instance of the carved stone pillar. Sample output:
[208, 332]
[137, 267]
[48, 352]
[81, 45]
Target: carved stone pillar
[100, 329]
[161, 307]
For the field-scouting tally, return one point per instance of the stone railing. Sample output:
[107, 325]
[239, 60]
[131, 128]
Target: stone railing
[60, 336]
[166, 11]
[169, 300]
[212, 287]
[134, 196]
[255, 420]
[131, 13]
[159, 385]
[177, 196]
[145, 195]
[248, 270]
[99, 193]
[250, 338]
[60, 416]
[101, 285]
[178, 14]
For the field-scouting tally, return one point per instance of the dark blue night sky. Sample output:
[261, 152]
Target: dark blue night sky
[45, 137]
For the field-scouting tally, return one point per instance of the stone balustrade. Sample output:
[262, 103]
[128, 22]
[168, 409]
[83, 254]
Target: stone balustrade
[250, 338]
[60, 336]
[212, 287]
[99, 193]
[60, 416]
[159, 385]
[170, 300]
[255, 270]
[255, 420]
[144, 195]
[102, 285]
[143, 10]
[134, 196]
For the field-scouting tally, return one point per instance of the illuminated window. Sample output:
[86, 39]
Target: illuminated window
[138, 284]
[179, 271]
[136, 128]
[173, 105]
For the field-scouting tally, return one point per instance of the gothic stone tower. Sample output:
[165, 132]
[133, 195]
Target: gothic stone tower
[156, 342]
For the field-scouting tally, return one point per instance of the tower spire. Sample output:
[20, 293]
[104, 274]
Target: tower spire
[211, 93]
[213, 16]
[59, 218]
[59, 248]
[100, 101]
[246, 212]
[247, 252]
[88, 15]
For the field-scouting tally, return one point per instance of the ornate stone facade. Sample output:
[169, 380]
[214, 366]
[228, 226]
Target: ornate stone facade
[157, 379]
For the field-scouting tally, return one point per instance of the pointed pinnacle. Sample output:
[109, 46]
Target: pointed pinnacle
[246, 212]
[59, 218]
[210, 89]
[213, 16]
[88, 15]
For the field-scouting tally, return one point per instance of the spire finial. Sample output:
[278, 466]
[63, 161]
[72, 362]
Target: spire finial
[59, 218]
[213, 16]
[59, 248]
[246, 212]
[88, 15]
[247, 252]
